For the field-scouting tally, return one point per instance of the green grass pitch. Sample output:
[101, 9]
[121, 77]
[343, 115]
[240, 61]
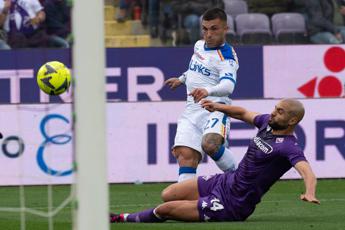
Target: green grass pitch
[280, 209]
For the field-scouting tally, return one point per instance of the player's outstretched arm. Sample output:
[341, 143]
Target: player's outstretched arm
[310, 182]
[232, 111]
[173, 82]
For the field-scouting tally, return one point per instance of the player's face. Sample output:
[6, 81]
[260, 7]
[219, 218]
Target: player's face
[214, 32]
[280, 117]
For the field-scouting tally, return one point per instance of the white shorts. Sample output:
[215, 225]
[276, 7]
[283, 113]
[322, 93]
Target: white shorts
[190, 134]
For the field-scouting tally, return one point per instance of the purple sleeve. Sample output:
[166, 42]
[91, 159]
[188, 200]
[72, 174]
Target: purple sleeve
[261, 120]
[295, 155]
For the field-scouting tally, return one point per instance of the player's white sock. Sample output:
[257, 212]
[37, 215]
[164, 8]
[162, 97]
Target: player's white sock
[186, 173]
[125, 215]
[224, 159]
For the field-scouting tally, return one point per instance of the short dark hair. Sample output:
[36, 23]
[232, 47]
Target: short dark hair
[214, 13]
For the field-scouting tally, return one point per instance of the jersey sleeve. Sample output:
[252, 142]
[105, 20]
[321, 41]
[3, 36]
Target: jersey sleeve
[294, 155]
[227, 66]
[36, 6]
[227, 70]
[261, 120]
[183, 77]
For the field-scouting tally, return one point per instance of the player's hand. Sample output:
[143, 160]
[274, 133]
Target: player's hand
[309, 198]
[173, 82]
[208, 105]
[35, 21]
[198, 94]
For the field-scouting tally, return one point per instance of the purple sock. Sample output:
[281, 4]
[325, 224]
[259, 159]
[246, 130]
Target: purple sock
[144, 216]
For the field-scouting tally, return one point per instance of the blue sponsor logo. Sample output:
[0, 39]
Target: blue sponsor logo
[197, 67]
[59, 139]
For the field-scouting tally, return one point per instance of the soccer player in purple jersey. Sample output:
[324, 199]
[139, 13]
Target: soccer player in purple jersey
[232, 196]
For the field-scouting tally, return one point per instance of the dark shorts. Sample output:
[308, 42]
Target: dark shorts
[212, 204]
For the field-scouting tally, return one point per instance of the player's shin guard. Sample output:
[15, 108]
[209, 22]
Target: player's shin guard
[146, 216]
[224, 159]
[186, 173]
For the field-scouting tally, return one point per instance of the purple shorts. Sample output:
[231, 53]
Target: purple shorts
[213, 204]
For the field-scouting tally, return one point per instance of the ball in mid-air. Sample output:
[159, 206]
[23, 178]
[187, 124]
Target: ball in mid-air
[53, 78]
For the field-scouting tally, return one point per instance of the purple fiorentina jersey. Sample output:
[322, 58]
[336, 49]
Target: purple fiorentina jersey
[267, 158]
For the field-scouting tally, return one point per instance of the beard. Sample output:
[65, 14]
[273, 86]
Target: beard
[276, 126]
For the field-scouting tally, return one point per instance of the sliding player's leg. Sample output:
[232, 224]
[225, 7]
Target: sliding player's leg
[180, 199]
[185, 190]
[208, 206]
[184, 210]
[198, 199]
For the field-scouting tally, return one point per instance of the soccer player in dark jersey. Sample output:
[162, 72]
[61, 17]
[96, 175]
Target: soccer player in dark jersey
[232, 196]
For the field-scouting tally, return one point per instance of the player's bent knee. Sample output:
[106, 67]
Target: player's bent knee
[211, 143]
[187, 157]
[188, 162]
[167, 194]
[210, 149]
